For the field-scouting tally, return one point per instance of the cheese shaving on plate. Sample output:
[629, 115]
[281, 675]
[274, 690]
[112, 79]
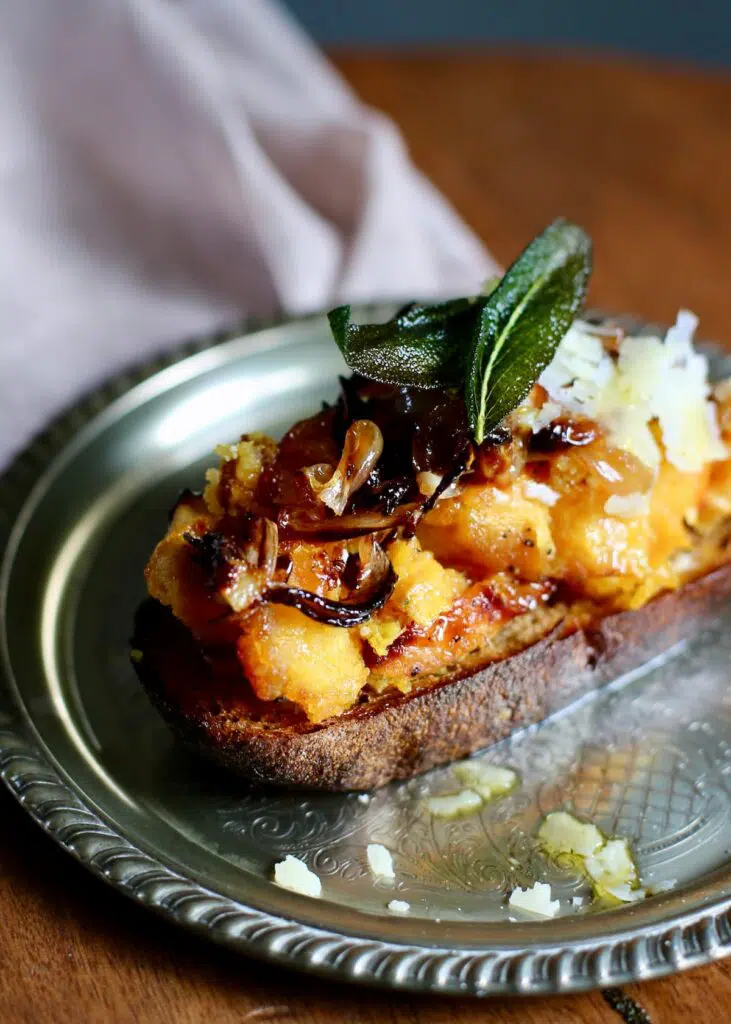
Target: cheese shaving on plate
[608, 863]
[536, 900]
[292, 873]
[380, 861]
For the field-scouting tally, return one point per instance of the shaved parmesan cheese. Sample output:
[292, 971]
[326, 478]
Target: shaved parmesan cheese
[292, 873]
[540, 492]
[614, 871]
[561, 833]
[488, 780]
[454, 805]
[578, 373]
[607, 862]
[482, 782]
[380, 861]
[652, 379]
[399, 907]
[536, 900]
[627, 506]
[547, 413]
[612, 863]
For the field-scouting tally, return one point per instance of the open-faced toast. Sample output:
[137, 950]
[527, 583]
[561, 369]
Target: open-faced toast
[422, 568]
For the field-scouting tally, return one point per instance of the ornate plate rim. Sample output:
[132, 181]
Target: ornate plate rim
[691, 939]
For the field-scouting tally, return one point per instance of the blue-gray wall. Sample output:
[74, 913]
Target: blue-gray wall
[698, 30]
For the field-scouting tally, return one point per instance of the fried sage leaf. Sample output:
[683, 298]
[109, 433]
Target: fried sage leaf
[421, 346]
[519, 327]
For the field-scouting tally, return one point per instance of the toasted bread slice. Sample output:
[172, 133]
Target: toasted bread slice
[401, 580]
[208, 704]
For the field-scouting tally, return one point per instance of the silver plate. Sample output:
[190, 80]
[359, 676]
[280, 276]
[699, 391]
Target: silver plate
[649, 757]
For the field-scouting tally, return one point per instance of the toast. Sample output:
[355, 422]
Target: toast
[506, 507]
[400, 735]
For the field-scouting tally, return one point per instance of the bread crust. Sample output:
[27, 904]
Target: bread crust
[399, 736]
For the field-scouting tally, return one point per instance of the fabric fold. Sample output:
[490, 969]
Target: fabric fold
[168, 168]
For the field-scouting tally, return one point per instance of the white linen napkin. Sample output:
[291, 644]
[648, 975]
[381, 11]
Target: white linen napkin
[168, 167]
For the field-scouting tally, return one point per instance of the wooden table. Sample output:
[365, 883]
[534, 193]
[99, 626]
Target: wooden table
[642, 158]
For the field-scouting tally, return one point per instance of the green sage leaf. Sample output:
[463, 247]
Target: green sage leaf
[519, 327]
[421, 346]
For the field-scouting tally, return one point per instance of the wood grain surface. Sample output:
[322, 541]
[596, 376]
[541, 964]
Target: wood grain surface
[641, 156]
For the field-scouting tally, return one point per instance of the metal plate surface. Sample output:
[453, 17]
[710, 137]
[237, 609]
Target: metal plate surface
[649, 757]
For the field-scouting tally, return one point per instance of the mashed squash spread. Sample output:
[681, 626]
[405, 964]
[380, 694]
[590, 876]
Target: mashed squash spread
[377, 548]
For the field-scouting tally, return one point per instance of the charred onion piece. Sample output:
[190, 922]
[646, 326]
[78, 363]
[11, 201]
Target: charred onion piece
[221, 555]
[373, 590]
[393, 493]
[361, 451]
[267, 538]
[215, 554]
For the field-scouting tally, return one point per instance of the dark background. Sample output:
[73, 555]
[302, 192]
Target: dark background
[696, 30]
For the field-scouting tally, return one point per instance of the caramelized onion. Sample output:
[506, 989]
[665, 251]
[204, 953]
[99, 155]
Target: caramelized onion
[268, 548]
[375, 586]
[361, 451]
[355, 524]
[317, 476]
[216, 555]
[564, 433]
